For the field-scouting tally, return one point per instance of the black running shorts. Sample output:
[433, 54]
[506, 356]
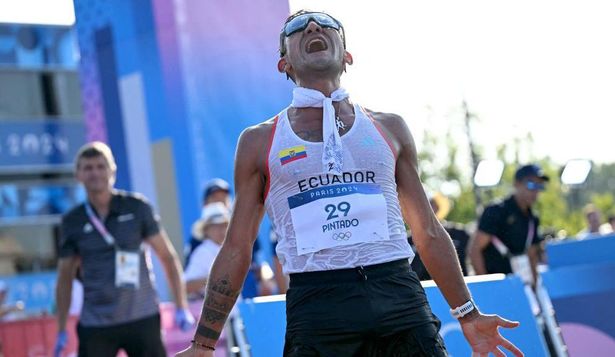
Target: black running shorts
[378, 310]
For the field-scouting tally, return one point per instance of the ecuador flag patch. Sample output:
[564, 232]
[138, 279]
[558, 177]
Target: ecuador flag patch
[292, 154]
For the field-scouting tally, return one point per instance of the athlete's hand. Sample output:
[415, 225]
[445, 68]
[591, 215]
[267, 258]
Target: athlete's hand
[482, 333]
[194, 351]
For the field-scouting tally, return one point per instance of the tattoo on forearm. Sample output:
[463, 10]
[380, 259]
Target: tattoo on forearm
[214, 303]
[207, 332]
[213, 316]
[223, 286]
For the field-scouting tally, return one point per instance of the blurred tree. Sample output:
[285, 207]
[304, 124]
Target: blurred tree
[555, 207]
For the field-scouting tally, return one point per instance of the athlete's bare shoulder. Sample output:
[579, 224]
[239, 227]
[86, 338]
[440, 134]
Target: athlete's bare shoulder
[253, 145]
[394, 125]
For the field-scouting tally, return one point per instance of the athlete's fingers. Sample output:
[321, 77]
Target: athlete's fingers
[498, 352]
[507, 323]
[512, 348]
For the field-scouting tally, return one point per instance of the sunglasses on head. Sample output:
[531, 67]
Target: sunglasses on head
[535, 186]
[300, 22]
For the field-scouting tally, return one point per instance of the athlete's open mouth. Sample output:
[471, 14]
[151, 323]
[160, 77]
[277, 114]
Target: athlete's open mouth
[316, 45]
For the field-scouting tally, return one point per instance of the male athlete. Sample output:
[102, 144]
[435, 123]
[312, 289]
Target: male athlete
[338, 182]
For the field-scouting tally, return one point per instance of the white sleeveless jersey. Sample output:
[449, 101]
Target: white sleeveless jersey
[325, 221]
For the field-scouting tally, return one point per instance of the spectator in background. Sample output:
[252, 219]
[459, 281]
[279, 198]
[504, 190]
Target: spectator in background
[611, 222]
[607, 227]
[10, 252]
[507, 239]
[594, 220]
[216, 190]
[210, 230]
[104, 236]
[441, 207]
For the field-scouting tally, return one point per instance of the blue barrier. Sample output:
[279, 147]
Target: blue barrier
[504, 296]
[265, 318]
[587, 251]
[581, 286]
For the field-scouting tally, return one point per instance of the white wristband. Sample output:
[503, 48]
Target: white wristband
[463, 310]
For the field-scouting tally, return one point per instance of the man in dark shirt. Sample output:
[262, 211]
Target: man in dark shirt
[507, 237]
[460, 237]
[106, 237]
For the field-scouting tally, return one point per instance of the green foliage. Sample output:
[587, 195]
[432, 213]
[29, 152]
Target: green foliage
[464, 206]
[559, 207]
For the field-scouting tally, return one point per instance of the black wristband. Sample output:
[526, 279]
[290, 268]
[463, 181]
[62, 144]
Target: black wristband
[198, 344]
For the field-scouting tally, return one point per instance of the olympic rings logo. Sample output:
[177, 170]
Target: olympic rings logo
[341, 236]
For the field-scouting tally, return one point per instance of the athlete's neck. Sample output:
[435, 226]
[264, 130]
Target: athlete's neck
[100, 200]
[343, 110]
[325, 86]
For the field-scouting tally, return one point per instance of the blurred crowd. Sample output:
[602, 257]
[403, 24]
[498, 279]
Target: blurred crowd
[507, 238]
[207, 236]
[506, 232]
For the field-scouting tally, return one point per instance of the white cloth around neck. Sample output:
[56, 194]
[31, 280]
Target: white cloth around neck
[332, 154]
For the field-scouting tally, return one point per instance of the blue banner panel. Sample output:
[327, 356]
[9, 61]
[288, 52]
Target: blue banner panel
[504, 297]
[582, 290]
[36, 46]
[35, 290]
[39, 145]
[579, 252]
[265, 319]
[34, 200]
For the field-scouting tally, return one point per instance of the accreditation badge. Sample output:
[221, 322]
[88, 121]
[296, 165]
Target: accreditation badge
[521, 266]
[127, 269]
[338, 215]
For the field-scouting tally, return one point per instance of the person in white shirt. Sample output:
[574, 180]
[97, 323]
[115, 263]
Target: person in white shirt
[593, 217]
[211, 229]
[608, 227]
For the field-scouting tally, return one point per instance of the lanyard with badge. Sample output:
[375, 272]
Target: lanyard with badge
[127, 267]
[520, 263]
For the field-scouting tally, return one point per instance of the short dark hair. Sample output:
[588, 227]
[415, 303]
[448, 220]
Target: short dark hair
[282, 48]
[95, 149]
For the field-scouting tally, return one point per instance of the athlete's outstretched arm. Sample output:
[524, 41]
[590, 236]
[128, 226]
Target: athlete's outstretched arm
[434, 244]
[231, 265]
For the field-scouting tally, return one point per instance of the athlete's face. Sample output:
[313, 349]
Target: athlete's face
[316, 49]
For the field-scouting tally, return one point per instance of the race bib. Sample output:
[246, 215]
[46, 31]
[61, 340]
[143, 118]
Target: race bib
[127, 269]
[521, 267]
[338, 215]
